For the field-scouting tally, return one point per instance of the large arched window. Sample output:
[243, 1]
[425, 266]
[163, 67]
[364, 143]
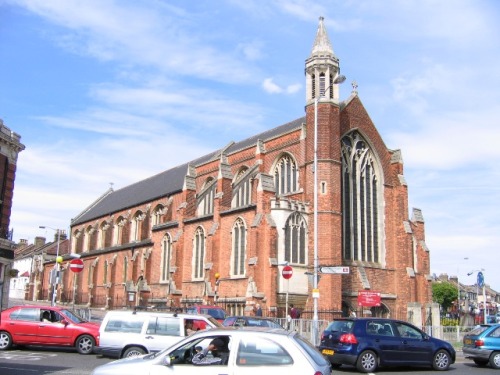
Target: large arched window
[286, 175]
[166, 257]
[361, 190]
[198, 253]
[238, 254]
[295, 239]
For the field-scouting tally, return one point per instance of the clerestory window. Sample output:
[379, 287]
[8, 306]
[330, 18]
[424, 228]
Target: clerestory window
[286, 175]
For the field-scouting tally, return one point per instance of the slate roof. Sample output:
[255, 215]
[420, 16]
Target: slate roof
[170, 181]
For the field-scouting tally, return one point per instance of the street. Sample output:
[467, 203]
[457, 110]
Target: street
[34, 361]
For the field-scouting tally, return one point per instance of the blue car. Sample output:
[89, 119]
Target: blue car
[482, 345]
[370, 343]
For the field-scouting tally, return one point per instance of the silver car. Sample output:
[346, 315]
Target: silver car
[249, 351]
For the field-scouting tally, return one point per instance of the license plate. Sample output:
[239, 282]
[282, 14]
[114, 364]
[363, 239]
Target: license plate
[327, 351]
[468, 341]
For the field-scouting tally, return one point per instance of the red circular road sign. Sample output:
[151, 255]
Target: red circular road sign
[76, 265]
[287, 272]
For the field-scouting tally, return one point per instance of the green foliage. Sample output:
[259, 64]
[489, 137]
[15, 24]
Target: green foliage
[445, 294]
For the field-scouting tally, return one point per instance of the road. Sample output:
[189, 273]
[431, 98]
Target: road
[39, 361]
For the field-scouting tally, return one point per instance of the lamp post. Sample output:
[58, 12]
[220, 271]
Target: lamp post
[57, 266]
[480, 283]
[338, 80]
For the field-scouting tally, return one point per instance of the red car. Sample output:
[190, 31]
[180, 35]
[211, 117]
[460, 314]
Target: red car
[47, 326]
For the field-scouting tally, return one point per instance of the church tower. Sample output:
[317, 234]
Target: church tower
[323, 77]
[322, 69]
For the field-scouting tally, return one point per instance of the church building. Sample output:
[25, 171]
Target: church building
[317, 193]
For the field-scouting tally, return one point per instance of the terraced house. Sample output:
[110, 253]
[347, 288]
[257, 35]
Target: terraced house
[245, 210]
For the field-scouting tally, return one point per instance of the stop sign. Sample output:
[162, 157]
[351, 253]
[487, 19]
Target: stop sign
[76, 265]
[287, 272]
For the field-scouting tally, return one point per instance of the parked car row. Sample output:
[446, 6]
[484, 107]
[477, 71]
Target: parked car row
[365, 343]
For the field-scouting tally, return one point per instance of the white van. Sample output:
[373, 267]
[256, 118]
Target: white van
[129, 333]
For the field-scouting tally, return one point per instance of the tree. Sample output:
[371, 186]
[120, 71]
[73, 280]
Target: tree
[445, 294]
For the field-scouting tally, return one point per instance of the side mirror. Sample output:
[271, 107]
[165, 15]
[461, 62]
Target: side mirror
[64, 321]
[167, 361]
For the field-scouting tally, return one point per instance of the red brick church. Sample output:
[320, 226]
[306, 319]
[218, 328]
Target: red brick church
[245, 210]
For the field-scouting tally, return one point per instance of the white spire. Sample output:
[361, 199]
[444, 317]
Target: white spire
[322, 45]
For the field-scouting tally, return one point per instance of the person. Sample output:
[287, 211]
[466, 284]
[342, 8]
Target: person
[258, 310]
[293, 312]
[220, 354]
[188, 327]
[46, 317]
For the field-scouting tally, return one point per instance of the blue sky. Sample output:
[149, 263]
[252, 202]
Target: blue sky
[106, 91]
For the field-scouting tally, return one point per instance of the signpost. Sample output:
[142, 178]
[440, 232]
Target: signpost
[76, 265]
[287, 273]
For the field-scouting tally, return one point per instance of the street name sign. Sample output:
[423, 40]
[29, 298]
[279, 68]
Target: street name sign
[341, 270]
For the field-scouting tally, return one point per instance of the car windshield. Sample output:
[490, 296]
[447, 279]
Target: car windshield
[340, 326]
[478, 330]
[216, 313]
[73, 316]
[311, 350]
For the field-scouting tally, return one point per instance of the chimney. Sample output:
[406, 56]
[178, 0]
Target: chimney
[39, 242]
[62, 235]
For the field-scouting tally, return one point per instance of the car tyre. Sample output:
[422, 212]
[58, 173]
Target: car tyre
[495, 360]
[5, 340]
[480, 362]
[367, 361]
[133, 351]
[85, 344]
[441, 360]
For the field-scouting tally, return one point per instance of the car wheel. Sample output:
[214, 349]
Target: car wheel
[480, 362]
[5, 340]
[367, 361]
[441, 360]
[133, 351]
[85, 344]
[495, 360]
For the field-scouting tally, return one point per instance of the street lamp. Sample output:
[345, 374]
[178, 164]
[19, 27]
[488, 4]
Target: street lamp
[338, 80]
[480, 283]
[58, 264]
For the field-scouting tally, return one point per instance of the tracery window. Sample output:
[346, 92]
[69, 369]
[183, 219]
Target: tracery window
[361, 192]
[242, 189]
[198, 253]
[166, 257]
[136, 226]
[286, 175]
[296, 239]
[206, 198]
[157, 215]
[238, 254]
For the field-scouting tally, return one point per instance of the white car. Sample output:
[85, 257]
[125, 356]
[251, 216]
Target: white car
[130, 333]
[249, 351]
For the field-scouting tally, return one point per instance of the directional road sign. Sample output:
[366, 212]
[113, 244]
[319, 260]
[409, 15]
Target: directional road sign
[326, 269]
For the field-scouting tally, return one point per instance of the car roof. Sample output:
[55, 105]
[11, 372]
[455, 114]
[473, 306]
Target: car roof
[43, 307]
[158, 313]
[247, 331]
[249, 317]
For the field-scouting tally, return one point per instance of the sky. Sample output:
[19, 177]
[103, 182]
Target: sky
[107, 93]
